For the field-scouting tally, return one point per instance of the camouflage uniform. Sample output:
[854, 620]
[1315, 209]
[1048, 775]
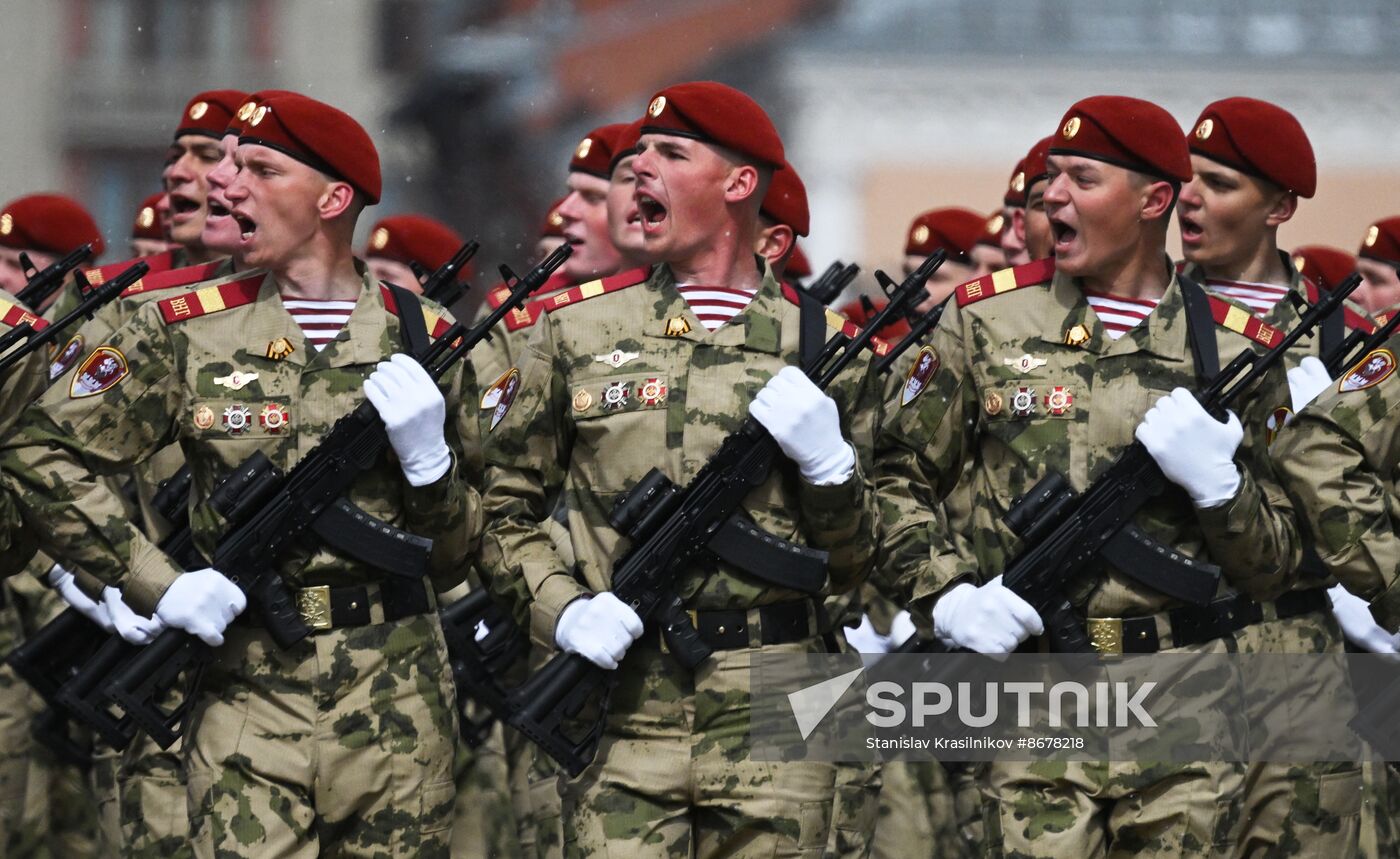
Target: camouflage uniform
[629, 380]
[1081, 396]
[347, 737]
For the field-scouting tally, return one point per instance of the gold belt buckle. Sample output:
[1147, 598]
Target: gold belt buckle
[314, 605]
[1106, 634]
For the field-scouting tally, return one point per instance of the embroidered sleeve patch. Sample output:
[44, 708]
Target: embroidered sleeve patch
[925, 365]
[1375, 368]
[65, 357]
[501, 395]
[102, 370]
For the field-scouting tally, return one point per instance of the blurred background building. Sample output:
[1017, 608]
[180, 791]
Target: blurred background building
[888, 107]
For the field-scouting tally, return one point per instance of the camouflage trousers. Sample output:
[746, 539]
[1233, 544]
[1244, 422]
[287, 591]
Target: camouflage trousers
[916, 813]
[152, 793]
[484, 823]
[341, 744]
[23, 784]
[674, 776]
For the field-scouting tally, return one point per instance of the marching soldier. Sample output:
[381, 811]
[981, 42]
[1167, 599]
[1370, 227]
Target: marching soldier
[1013, 243]
[149, 235]
[1030, 221]
[46, 227]
[399, 240]
[1378, 262]
[1327, 267]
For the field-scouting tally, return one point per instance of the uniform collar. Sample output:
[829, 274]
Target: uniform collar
[1163, 333]
[757, 328]
[359, 342]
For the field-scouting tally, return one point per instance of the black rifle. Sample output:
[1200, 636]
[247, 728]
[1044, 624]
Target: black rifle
[476, 664]
[669, 528]
[44, 283]
[442, 286]
[832, 282]
[1358, 343]
[32, 338]
[920, 329]
[270, 512]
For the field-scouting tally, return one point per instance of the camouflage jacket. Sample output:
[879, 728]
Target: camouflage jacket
[20, 385]
[629, 379]
[224, 371]
[1338, 460]
[494, 358]
[1030, 382]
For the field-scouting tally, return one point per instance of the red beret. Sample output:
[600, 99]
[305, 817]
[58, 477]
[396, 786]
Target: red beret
[786, 201]
[1257, 138]
[248, 107]
[553, 226]
[1325, 266]
[955, 230]
[1034, 165]
[50, 223]
[717, 114]
[595, 152]
[625, 144]
[148, 221]
[414, 238]
[1015, 195]
[991, 230]
[798, 266]
[1382, 241]
[1128, 132]
[319, 136]
[209, 112]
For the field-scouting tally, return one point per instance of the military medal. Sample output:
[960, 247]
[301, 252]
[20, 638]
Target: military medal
[917, 379]
[102, 370]
[616, 358]
[203, 418]
[236, 419]
[236, 381]
[993, 404]
[1025, 363]
[1369, 371]
[280, 348]
[653, 392]
[677, 326]
[273, 418]
[1059, 400]
[65, 357]
[582, 400]
[615, 396]
[1077, 336]
[1023, 402]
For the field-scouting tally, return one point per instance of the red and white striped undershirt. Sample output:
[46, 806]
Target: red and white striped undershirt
[715, 305]
[1260, 298]
[320, 321]
[1120, 315]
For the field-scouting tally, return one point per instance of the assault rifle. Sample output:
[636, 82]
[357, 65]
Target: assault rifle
[1358, 343]
[441, 285]
[832, 282]
[669, 528]
[36, 333]
[270, 512]
[476, 662]
[42, 284]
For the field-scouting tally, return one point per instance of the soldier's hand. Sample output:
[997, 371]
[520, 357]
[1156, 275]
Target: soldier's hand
[62, 581]
[1306, 381]
[202, 603]
[987, 619]
[132, 627]
[864, 638]
[598, 628]
[1357, 623]
[805, 424]
[414, 413]
[1194, 450]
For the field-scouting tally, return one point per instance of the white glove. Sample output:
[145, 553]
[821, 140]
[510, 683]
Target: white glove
[132, 627]
[1358, 624]
[481, 631]
[1194, 450]
[202, 603]
[414, 413]
[805, 424]
[987, 619]
[598, 628]
[901, 629]
[864, 638]
[1306, 381]
[62, 581]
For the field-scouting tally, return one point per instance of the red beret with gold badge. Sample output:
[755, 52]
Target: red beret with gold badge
[319, 136]
[991, 230]
[208, 113]
[625, 144]
[1325, 266]
[1257, 138]
[1128, 132]
[1382, 241]
[595, 152]
[414, 238]
[148, 221]
[51, 223]
[1035, 164]
[786, 201]
[553, 227]
[953, 229]
[1015, 195]
[714, 113]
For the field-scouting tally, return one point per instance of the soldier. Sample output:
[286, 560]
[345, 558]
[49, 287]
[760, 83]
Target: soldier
[46, 227]
[1378, 262]
[398, 240]
[957, 232]
[1013, 243]
[1028, 362]
[653, 371]
[987, 255]
[149, 233]
[1327, 267]
[342, 742]
[624, 219]
[1030, 221]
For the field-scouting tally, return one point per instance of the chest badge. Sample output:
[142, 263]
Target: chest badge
[280, 348]
[677, 326]
[1059, 400]
[616, 358]
[203, 418]
[615, 395]
[1077, 336]
[236, 381]
[273, 418]
[654, 392]
[582, 400]
[1025, 363]
[237, 418]
[992, 404]
[1023, 402]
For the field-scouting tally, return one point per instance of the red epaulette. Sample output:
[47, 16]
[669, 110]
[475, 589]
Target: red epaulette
[1241, 321]
[595, 288]
[1006, 280]
[172, 278]
[525, 315]
[163, 261]
[1382, 319]
[15, 316]
[1352, 319]
[837, 322]
[211, 299]
[556, 282]
[436, 325]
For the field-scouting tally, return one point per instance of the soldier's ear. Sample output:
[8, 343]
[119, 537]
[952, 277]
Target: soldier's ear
[337, 199]
[1158, 198]
[742, 184]
[1284, 207]
[775, 242]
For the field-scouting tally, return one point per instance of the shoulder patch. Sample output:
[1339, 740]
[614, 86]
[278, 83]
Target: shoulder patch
[1350, 318]
[211, 299]
[1374, 368]
[14, 316]
[161, 262]
[432, 320]
[1006, 280]
[1240, 321]
[171, 278]
[595, 288]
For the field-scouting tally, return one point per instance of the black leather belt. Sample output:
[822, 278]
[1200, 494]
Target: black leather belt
[325, 607]
[1190, 625]
[730, 629]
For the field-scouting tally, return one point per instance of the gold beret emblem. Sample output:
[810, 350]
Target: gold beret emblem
[146, 218]
[919, 234]
[994, 224]
[657, 105]
[198, 109]
[556, 219]
[7, 223]
[1371, 235]
[584, 147]
[245, 110]
[379, 238]
[1205, 128]
[1071, 128]
[1018, 182]
[259, 114]
[1298, 261]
